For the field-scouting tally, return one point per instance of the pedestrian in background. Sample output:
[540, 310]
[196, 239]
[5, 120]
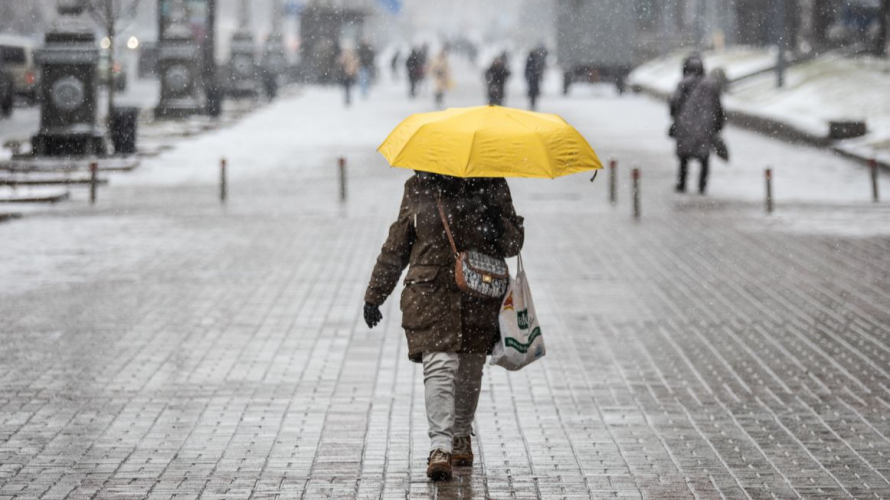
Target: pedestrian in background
[441, 71]
[698, 119]
[367, 70]
[414, 66]
[349, 66]
[496, 80]
[394, 64]
[448, 331]
[535, 65]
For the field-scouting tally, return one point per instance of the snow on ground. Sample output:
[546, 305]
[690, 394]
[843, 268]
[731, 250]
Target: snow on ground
[631, 128]
[316, 123]
[662, 75]
[828, 88]
[820, 91]
[306, 133]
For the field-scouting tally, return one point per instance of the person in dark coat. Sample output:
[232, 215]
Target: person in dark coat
[414, 65]
[496, 79]
[394, 64]
[367, 69]
[448, 331]
[534, 73]
[698, 119]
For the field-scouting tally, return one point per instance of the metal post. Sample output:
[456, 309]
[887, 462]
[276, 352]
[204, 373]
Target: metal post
[781, 41]
[342, 164]
[112, 34]
[881, 48]
[769, 190]
[223, 188]
[94, 181]
[613, 182]
[875, 193]
[636, 193]
[209, 76]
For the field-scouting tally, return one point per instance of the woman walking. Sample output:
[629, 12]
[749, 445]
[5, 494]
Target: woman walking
[496, 79]
[449, 332]
[698, 119]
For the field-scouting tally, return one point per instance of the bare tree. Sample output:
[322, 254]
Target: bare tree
[112, 15]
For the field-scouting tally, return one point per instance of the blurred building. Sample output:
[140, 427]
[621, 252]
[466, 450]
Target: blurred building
[665, 25]
[828, 24]
[326, 27]
[30, 18]
[802, 25]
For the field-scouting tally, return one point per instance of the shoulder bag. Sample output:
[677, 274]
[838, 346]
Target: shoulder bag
[477, 274]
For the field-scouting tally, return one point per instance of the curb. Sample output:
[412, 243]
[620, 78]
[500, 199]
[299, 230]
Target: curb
[774, 128]
[38, 199]
[9, 217]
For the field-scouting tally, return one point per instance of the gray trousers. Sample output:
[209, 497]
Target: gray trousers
[452, 383]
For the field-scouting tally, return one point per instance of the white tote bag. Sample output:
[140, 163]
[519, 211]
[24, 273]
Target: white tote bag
[521, 341]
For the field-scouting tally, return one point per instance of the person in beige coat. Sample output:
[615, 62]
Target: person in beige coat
[441, 70]
[349, 66]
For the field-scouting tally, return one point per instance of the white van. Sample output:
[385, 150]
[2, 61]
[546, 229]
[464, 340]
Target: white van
[17, 54]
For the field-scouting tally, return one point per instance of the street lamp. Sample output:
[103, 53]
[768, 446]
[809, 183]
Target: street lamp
[274, 52]
[69, 87]
[243, 61]
[179, 64]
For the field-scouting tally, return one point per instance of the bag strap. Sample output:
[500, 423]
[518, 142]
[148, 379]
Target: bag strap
[447, 226]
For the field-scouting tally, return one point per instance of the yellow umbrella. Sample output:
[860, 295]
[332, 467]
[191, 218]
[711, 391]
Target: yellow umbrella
[489, 141]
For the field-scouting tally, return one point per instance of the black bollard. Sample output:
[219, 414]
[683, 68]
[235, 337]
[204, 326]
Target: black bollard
[342, 166]
[613, 182]
[223, 182]
[94, 182]
[636, 194]
[875, 192]
[769, 190]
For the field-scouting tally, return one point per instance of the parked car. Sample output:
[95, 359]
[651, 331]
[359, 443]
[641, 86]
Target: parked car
[17, 54]
[7, 92]
[117, 73]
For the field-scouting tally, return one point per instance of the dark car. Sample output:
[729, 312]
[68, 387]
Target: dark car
[7, 92]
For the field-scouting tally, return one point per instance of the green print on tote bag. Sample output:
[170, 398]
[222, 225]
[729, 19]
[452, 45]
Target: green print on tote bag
[521, 342]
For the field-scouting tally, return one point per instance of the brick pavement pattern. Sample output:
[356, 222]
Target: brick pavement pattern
[163, 346]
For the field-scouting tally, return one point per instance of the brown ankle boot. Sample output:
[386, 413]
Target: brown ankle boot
[439, 468]
[462, 451]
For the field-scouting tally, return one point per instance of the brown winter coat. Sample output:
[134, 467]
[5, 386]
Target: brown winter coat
[436, 316]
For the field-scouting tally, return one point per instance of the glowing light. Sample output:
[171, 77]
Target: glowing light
[133, 43]
[106, 43]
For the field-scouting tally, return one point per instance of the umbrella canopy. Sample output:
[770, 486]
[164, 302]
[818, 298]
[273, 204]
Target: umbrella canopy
[489, 141]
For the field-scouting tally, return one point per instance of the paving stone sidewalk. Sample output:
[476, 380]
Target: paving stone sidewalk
[163, 346]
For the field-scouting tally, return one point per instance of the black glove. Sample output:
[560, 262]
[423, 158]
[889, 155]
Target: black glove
[372, 315]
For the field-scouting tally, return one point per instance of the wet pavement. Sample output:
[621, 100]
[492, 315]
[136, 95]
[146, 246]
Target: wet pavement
[163, 345]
